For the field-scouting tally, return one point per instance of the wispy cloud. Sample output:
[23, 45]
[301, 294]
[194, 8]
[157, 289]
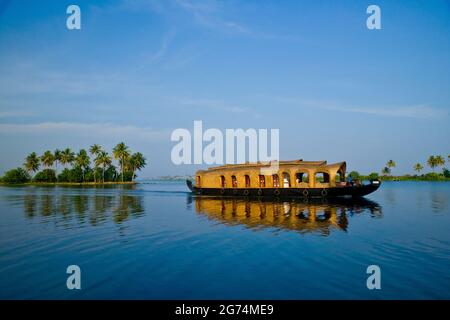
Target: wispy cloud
[14, 114]
[419, 111]
[75, 129]
[214, 104]
[416, 111]
[166, 40]
[158, 6]
[213, 15]
[208, 14]
[19, 78]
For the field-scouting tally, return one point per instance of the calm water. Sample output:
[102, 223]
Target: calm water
[154, 241]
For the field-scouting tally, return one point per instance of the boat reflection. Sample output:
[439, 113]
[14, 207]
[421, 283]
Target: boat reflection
[313, 216]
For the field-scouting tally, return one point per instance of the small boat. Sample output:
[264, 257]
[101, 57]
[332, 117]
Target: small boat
[290, 179]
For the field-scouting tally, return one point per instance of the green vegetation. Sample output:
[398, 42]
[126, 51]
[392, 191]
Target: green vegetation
[391, 164]
[14, 176]
[434, 161]
[446, 173]
[418, 167]
[95, 150]
[355, 175]
[137, 162]
[46, 175]
[32, 163]
[77, 167]
[104, 161]
[431, 176]
[373, 176]
[121, 153]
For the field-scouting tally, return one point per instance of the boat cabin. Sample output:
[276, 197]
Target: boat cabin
[289, 174]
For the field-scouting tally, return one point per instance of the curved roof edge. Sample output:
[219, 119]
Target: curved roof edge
[259, 164]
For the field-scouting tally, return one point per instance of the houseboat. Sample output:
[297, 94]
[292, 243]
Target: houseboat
[291, 179]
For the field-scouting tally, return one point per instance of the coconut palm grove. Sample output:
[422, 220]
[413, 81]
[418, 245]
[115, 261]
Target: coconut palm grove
[93, 166]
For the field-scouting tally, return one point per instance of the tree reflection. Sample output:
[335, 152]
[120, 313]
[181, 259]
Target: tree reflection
[94, 209]
[128, 205]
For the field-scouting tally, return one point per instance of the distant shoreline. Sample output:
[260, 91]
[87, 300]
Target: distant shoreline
[108, 183]
[172, 178]
[115, 183]
[409, 178]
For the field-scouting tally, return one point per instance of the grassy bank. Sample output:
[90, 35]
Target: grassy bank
[426, 177]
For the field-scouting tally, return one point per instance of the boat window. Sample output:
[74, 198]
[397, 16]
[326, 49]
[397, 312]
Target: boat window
[322, 177]
[286, 180]
[276, 181]
[262, 181]
[301, 177]
[223, 183]
[198, 181]
[234, 181]
[340, 176]
[247, 181]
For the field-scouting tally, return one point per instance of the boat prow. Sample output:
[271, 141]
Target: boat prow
[189, 184]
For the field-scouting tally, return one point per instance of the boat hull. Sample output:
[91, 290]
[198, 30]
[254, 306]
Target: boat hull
[332, 192]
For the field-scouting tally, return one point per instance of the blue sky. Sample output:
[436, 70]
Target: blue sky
[139, 69]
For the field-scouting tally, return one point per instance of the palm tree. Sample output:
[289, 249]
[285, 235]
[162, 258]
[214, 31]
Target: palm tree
[418, 167]
[32, 162]
[103, 159]
[121, 153]
[432, 162]
[67, 157]
[386, 171]
[95, 150]
[47, 159]
[82, 160]
[136, 162]
[57, 157]
[440, 161]
[391, 164]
